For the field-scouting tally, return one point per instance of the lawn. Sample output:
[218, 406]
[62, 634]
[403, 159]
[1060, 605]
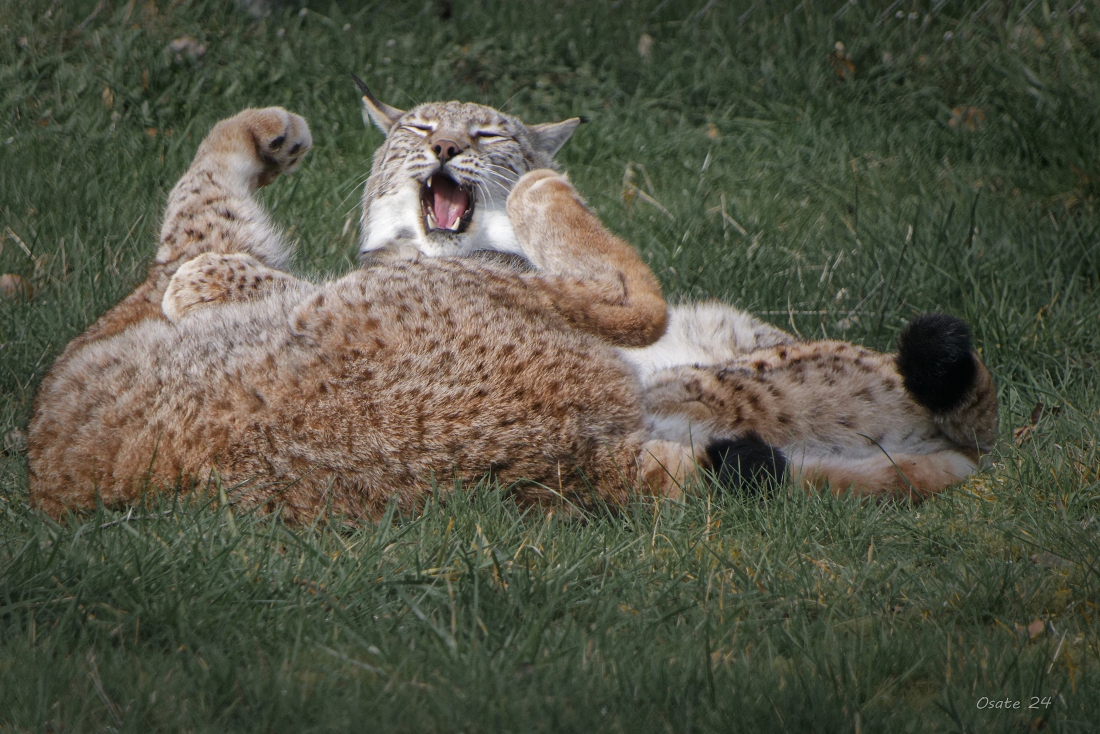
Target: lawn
[837, 168]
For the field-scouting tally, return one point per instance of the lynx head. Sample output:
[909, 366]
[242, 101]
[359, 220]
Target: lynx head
[440, 181]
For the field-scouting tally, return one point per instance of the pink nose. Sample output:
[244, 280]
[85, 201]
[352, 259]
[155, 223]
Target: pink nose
[445, 150]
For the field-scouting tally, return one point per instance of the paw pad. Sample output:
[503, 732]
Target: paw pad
[282, 138]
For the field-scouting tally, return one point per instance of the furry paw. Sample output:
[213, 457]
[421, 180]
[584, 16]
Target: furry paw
[537, 190]
[550, 220]
[664, 466]
[282, 138]
[271, 141]
[211, 279]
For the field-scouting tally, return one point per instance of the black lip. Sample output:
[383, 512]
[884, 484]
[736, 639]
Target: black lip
[426, 207]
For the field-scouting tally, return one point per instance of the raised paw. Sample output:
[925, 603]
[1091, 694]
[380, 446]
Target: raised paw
[537, 191]
[211, 279]
[268, 141]
[550, 220]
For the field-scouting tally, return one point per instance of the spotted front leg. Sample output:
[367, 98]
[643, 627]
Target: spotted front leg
[590, 276]
[210, 280]
[211, 209]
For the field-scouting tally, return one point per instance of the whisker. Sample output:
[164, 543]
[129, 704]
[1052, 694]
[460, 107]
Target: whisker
[480, 186]
[498, 178]
[506, 169]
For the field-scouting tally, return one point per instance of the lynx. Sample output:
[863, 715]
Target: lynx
[440, 181]
[345, 395]
[907, 424]
[547, 370]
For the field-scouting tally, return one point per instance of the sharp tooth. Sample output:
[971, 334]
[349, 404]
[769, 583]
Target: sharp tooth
[429, 182]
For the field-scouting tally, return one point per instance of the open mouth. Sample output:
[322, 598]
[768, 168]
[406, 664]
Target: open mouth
[447, 205]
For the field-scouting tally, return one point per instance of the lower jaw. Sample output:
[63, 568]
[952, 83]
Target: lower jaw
[460, 229]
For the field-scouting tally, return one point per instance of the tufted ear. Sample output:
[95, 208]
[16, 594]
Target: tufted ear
[549, 137]
[383, 115]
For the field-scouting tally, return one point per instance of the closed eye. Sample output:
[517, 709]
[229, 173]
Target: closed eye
[488, 136]
[417, 129]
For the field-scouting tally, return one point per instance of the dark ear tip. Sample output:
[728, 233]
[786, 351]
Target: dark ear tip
[581, 120]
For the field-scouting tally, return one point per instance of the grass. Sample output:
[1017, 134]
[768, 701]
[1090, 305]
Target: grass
[946, 159]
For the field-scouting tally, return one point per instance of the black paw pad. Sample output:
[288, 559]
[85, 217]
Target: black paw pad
[935, 360]
[746, 463]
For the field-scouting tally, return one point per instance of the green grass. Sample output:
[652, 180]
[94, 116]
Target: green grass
[852, 202]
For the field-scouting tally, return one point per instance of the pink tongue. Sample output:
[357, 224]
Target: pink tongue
[450, 201]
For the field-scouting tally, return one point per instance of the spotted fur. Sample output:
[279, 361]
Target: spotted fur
[352, 393]
[844, 416]
[841, 414]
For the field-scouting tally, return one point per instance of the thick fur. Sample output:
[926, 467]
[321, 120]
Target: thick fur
[909, 424]
[350, 393]
[848, 421]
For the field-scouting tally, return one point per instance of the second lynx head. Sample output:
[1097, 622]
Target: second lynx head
[440, 181]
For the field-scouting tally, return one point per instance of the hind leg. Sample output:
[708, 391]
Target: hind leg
[905, 424]
[826, 393]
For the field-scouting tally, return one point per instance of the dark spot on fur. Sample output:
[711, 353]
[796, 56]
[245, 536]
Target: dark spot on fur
[277, 142]
[935, 361]
[754, 401]
[746, 464]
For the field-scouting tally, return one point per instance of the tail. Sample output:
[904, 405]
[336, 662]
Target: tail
[746, 463]
[940, 371]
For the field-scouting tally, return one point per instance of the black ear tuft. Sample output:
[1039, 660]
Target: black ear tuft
[746, 463]
[935, 362]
